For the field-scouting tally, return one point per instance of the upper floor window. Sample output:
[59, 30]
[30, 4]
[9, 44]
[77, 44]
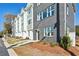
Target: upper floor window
[38, 17]
[29, 11]
[44, 13]
[38, 4]
[41, 15]
[29, 21]
[50, 10]
[67, 10]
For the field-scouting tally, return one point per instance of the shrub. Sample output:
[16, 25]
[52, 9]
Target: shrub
[53, 44]
[77, 33]
[65, 42]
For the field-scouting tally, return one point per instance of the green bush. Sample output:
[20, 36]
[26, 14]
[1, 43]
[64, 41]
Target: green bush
[77, 33]
[65, 42]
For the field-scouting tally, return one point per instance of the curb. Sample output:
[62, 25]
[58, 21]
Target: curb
[10, 51]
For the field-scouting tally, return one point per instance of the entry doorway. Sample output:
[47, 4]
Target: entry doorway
[37, 35]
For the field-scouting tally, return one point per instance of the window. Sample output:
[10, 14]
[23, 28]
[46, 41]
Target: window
[22, 21]
[38, 17]
[29, 11]
[28, 33]
[44, 31]
[29, 21]
[44, 13]
[38, 4]
[52, 30]
[52, 10]
[41, 15]
[67, 10]
[18, 24]
[48, 11]
[48, 31]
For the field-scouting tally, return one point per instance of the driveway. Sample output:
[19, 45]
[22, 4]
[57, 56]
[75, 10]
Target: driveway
[3, 49]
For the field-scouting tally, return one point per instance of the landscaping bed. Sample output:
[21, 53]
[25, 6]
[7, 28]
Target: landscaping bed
[41, 49]
[12, 40]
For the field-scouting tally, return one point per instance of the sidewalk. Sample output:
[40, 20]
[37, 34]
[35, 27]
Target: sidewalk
[18, 44]
[10, 51]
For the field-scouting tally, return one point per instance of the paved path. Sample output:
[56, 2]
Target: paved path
[3, 50]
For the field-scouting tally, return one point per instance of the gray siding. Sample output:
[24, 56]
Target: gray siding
[70, 18]
[50, 21]
[62, 19]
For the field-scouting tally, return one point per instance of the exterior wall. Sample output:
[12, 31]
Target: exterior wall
[62, 12]
[25, 33]
[30, 17]
[49, 21]
[70, 23]
[30, 30]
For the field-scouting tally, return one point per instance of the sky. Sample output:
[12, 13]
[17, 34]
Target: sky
[77, 14]
[15, 8]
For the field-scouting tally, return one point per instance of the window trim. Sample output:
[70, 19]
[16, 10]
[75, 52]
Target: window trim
[38, 4]
[67, 10]
[48, 12]
[46, 31]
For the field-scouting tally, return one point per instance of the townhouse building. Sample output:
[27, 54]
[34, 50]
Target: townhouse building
[46, 21]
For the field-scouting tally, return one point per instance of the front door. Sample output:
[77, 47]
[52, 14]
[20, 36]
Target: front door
[37, 35]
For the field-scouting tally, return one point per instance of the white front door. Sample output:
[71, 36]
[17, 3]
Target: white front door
[37, 36]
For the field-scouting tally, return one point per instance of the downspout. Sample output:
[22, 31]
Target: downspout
[65, 19]
[58, 24]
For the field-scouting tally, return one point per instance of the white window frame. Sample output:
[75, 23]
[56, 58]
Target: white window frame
[48, 11]
[38, 4]
[51, 10]
[46, 31]
[38, 17]
[67, 10]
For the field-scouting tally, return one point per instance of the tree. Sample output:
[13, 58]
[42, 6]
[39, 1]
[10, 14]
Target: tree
[77, 30]
[8, 23]
[7, 28]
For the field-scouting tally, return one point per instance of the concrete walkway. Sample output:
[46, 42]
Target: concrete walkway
[18, 44]
[3, 49]
[10, 51]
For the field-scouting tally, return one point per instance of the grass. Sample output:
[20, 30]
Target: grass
[12, 40]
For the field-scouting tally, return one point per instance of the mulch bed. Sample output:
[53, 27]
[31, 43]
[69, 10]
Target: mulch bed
[74, 51]
[46, 47]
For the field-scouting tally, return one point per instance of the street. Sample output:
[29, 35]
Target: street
[3, 50]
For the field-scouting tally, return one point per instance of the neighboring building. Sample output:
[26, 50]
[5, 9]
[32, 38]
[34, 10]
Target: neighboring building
[48, 21]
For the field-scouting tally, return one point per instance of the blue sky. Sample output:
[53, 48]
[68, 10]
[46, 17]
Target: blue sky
[15, 8]
[77, 14]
